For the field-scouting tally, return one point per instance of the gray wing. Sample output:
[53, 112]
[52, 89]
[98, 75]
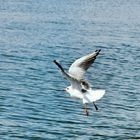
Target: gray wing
[76, 84]
[80, 66]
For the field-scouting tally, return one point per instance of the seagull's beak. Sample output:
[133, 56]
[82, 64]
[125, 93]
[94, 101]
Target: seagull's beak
[64, 90]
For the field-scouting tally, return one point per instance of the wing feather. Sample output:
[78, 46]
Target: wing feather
[80, 66]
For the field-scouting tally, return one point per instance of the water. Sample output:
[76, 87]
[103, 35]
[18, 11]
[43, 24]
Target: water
[34, 33]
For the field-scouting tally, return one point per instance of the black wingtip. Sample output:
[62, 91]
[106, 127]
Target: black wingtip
[54, 61]
[98, 50]
[58, 65]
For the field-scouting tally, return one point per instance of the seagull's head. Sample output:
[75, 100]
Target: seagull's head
[68, 89]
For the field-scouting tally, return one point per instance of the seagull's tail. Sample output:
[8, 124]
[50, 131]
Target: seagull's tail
[93, 95]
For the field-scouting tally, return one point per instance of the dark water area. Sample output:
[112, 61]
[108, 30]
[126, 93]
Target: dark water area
[33, 33]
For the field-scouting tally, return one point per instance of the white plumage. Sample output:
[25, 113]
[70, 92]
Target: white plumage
[80, 88]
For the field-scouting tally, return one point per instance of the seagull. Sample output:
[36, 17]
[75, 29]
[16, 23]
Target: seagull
[80, 88]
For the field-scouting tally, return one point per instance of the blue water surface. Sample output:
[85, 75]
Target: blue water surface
[33, 105]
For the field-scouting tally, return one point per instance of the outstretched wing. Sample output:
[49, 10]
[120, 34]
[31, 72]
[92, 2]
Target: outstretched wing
[74, 82]
[80, 66]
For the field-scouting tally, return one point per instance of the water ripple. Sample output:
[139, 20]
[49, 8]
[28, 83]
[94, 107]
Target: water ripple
[33, 104]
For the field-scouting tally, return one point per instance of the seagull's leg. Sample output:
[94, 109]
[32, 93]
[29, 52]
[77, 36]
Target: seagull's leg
[86, 109]
[95, 106]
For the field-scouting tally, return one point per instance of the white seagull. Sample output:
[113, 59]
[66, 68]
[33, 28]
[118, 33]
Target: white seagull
[80, 88]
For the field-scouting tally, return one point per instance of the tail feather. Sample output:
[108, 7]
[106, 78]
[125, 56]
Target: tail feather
[93, 95]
